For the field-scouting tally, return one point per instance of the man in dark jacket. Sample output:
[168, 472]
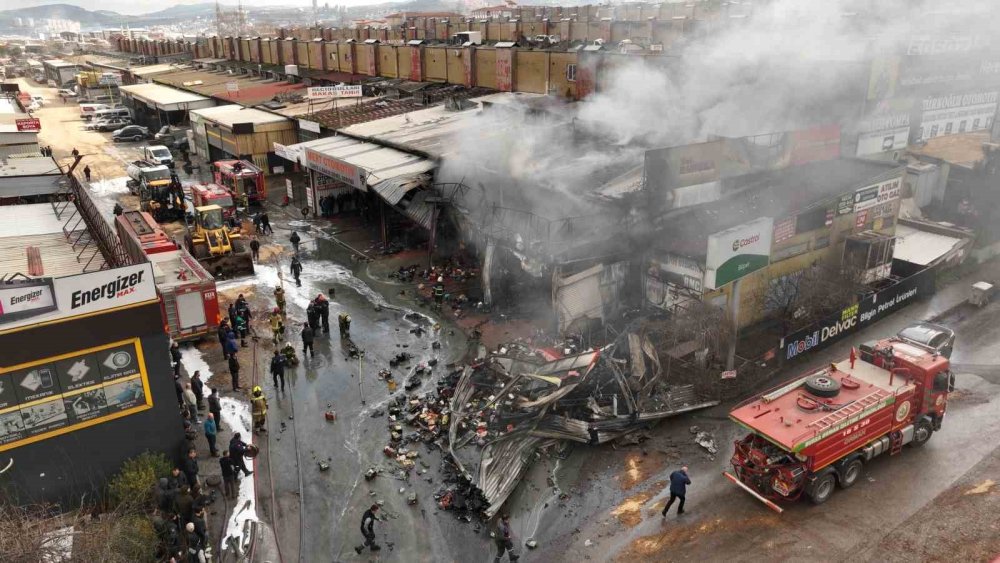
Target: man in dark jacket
[195, 547]
[323, 308]
[179, 387]
[228, 475]
[177, 479]
[243, 308]
[232, 314]
[255, 249]
[265, 224]
[295, 241]
[191, 468]
[198, 386]
[367, 530]
[200, 528]
[679, 481]
[237, 449]
[297, 271]
[312, 315]
[278, 369]
[504, 539]
[215, 407]
[223, 332]
[185, 504]
[230, 347]
[175, 357]
[307, 340]
[234, 372]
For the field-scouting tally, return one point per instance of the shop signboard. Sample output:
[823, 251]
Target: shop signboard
[956, 113]
[336, 169]
[311, 126]
[28, 124]
[342, 91]
[72, 296]
[288, 152]
[876, 194]
[738, 251]
[784, 229]
[61, 394]
[884, 132]
[26, 298]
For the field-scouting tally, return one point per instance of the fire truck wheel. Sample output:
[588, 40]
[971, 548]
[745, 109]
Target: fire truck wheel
[822, 488]
[921, 433]
[851, 473]
[823, 386]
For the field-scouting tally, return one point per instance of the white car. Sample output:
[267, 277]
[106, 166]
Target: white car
[36, 99]
[67, 93]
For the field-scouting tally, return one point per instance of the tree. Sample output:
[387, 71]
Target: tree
[800, 298]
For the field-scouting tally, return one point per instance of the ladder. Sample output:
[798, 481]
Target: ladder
[896, 439]
[170, 310]
[848, 410]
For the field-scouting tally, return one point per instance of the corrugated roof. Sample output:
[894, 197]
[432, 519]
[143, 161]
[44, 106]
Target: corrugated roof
[419, 210]
[35, 225]
[380, 163]
[150, 70]
[394, 189]
[162, 95]
[921, 247]
[252, 90]
[229, 114]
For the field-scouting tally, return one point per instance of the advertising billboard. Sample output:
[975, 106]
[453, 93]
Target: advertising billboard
[327, 92]
[72, 296]
[877, 194]
[956, 113]
[64, 393]
[336, 168]
[738, 251]
[885, 128]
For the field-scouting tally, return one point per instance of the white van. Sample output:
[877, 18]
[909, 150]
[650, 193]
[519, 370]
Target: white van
[87, 110]
[111, 112]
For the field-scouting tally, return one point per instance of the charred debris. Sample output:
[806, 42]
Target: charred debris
[492, 416]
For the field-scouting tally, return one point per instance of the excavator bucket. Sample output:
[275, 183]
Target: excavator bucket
[230, 265]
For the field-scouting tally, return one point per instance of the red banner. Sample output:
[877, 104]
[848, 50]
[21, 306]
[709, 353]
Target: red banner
[30, 124]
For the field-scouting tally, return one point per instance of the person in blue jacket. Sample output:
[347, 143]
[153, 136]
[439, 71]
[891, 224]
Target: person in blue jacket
[679, 481]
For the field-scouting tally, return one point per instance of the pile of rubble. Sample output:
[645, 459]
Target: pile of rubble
[519, 399]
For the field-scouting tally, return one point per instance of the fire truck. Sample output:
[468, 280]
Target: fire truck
[816, 432]
[188, 298]
[241, 177]
[214, 194]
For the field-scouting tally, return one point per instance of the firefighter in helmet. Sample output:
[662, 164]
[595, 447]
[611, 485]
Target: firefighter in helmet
[279, 298]
[277, 326]
[259, 409]
[289, 352]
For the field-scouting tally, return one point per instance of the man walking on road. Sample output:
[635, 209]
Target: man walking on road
[297, 271]
[198, 386]
[86, 172]
[295, 239]
[191, 402]
[504, 540]
[679, 481]
[367, 530]
[307, 340]
[278, 369]
[255, 249]
[228, 474]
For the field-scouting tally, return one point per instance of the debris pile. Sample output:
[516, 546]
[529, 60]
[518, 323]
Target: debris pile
[521, 399]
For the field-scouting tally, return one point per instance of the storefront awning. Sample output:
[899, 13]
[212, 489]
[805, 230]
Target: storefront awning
[358, 163]
[395, 189]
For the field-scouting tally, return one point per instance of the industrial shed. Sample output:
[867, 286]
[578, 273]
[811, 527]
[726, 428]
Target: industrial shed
[155, 105]
[233, 131]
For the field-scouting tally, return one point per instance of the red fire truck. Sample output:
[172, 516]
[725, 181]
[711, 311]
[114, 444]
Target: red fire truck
[241, 177]
[213, 194]
[817, 431]
[188, 298]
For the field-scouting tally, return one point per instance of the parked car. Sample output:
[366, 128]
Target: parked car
[67, 93]
[130, 133]
[930, 335]
[112, 123]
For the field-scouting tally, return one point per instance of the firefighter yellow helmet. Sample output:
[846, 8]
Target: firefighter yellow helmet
[257, 390]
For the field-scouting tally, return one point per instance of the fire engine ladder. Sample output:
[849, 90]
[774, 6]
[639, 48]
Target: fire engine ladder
[170, 310]
[848, 410]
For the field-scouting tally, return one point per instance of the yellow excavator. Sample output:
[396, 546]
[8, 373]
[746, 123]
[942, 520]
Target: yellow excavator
[219, 248]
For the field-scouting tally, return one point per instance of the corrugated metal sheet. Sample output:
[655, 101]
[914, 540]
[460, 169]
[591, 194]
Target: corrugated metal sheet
[579, 297]
[35, 225]
[419, 210]
[380, 163]
[922, 247]
[394, 189]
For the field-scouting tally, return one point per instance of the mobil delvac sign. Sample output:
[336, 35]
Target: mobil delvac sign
[738, 251]
[860, 315]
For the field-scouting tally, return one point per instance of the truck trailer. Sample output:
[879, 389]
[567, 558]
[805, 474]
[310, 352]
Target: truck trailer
[188, 298]
[816, 432]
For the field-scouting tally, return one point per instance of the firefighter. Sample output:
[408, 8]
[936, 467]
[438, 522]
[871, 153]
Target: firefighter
[344, 320]
[289, 352]
[277, 326]
[323, 308]
[259, 407]
[439, 291]
[297, 270]
[279, 298]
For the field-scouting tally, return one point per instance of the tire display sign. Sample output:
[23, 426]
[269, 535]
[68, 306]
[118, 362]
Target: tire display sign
[738, 251]
[53, 396]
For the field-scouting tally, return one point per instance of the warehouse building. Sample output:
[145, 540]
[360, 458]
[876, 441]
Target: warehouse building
[233, 131]
[155, 105]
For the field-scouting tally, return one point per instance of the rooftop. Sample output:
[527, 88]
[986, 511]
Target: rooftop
[964, 150]
[34, 166]
[229, 114]
[383, 108]
[770, 194]
[162, 95]
[251, 90]
[35, 226]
